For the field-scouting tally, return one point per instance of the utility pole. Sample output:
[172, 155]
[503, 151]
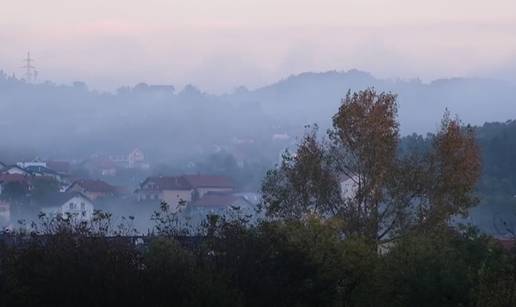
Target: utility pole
[30, 70]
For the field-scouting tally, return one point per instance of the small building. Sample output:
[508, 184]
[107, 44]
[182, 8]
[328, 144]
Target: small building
[202, 184]
[15, 169]
[35, 162]
[93, 189]
[348, 186]
[226, 205]
[42, 171]
[73, 204]
[170, 189]
[17, 178]
[187, 188]
[135, 158]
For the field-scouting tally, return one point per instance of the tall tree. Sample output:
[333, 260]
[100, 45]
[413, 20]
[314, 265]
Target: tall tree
[394, 191]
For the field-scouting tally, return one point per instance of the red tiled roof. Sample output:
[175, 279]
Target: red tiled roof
[94, 186]
[204, 181]
[13, 178]
[167, 183]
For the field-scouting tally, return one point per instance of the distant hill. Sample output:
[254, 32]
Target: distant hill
[168, 122]
[313, 97]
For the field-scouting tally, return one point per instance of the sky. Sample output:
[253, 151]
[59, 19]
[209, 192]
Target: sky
[218, 45]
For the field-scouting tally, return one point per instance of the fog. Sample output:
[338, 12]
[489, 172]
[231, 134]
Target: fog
[185, 130]
[72, 121]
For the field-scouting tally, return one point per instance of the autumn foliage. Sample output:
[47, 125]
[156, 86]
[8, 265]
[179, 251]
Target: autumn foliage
[395, 192]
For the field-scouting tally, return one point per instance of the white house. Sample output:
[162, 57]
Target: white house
[348, 186]
[188, 188]
[36, 163]
[71, 204]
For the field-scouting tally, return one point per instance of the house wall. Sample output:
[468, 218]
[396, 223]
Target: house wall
[203, 191]
[16, 171]
[172, 197]
[348, 188]
[5, 212]
[78, 206]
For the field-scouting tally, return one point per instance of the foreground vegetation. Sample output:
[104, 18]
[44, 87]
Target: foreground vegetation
[301, 263]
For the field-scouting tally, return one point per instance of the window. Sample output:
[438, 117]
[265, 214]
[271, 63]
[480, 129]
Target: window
[83, 206]
[72, 206]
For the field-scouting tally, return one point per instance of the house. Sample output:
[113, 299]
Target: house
[170, 189]
[136, 158]
[202, 184]
[348, 186]
[17, 178]
[93, 189]
[5, 213]
[73, 204]
[35, 162]
[42, 171]
[188, 188]
[223, 204]
[15, 169]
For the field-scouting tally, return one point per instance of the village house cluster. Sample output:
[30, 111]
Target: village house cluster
[53, 188]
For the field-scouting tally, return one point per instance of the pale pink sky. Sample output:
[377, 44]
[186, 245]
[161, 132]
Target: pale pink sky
[220, 44]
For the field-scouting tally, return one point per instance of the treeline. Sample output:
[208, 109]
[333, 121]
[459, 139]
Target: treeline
[296, 263]
[497, 143]
[496, 187]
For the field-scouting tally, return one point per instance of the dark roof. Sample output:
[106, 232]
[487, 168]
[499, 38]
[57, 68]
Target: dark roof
[205, 181]
[218, 200]
[94, 186]
[40, 169]
[167, 183]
